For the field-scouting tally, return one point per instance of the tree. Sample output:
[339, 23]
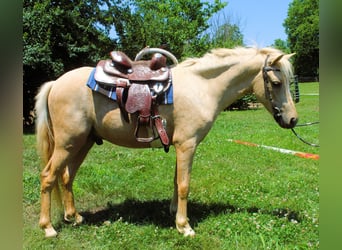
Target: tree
[59, 36]
[281, 45]
[224, 32]
[178, 24]
[302, 28]
[227, 36]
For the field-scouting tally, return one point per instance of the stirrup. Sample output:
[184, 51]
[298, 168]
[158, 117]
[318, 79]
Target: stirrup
[144, 139]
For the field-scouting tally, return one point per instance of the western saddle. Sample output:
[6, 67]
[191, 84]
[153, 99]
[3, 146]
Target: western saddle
[138, 86]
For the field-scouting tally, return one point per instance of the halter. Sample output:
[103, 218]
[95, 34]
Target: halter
[276, 110]
[267, 84]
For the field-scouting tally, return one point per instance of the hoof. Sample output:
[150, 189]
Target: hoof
[187, 231]
[50, 233]
[78, 219]
[75, 220]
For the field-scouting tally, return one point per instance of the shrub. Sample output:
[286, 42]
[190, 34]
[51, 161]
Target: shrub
[246, 102]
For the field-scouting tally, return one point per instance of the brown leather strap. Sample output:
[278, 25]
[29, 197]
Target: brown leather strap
[119, 94]
[158, 123]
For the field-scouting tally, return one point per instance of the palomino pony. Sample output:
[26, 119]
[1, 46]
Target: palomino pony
[70, 117]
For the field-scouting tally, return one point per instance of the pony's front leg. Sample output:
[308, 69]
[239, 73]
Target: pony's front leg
[185, 153]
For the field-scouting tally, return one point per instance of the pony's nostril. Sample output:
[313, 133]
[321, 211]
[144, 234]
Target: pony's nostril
[293, 121]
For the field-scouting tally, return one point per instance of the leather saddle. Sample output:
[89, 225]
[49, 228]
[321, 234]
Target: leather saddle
[138, 86]
[121, 66]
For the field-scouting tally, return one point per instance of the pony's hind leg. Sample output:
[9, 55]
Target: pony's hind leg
[65, 164]
[68, 176]
[49, 179]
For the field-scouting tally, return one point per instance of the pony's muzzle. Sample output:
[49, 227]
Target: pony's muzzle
[284, 124]
[281, 119]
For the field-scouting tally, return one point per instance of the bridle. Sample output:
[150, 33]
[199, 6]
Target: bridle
[267, 84]
[276, 110]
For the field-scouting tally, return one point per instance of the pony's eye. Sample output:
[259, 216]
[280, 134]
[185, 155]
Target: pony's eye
[276, 83]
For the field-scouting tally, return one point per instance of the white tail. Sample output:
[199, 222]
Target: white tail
[45, 140]
[45, 137]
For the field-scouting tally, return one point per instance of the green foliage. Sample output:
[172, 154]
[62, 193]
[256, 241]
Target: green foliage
[175, 24]
[221, 33]
[302, 28]
[282, 45]
[241, 197]
[227, 36]
[59, 36]
[244, 103]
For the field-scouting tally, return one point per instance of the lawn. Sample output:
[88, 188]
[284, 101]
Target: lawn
[241, 197]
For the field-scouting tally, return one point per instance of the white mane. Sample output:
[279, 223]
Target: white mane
[225, 58]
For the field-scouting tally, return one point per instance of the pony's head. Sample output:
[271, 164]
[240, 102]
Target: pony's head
[272, 87]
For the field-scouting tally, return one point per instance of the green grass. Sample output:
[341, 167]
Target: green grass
[241, 197]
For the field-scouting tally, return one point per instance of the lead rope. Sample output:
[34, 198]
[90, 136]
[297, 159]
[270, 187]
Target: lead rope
[296, 99]
[300, 138]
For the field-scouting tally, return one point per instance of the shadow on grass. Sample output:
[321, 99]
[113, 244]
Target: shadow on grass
[156, 212]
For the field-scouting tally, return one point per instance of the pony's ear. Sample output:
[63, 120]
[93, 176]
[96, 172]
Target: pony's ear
[277, 59]
[288, 56]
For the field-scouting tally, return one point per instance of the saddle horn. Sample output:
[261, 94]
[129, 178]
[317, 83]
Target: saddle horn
[148, 50]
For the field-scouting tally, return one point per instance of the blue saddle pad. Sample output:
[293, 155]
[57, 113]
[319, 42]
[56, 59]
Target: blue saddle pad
[110, 91]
